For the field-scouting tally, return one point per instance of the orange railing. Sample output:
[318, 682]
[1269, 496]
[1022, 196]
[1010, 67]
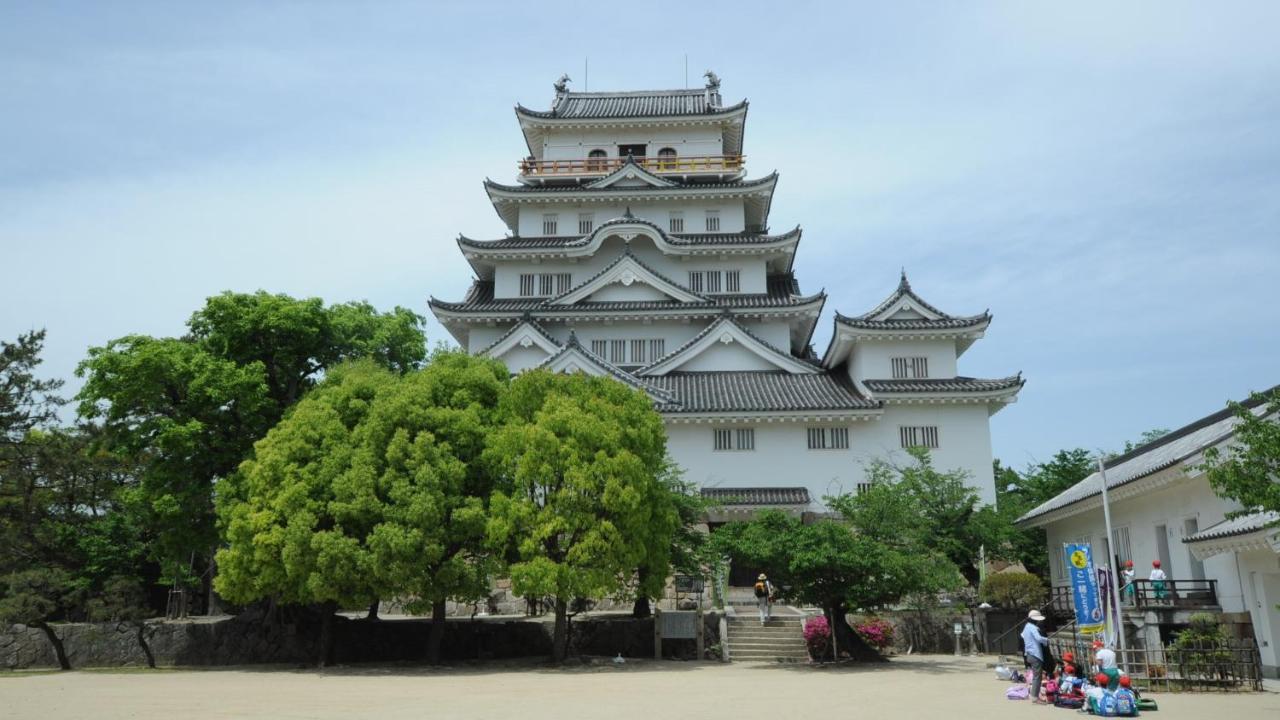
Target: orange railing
[604, 165]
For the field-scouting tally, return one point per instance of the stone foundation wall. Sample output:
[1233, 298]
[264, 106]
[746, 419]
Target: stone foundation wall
[247, 640]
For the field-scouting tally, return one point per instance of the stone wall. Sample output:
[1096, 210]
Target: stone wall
[247, 640]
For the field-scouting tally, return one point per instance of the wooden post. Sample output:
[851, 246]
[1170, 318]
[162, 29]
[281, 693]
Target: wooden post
[657, 633]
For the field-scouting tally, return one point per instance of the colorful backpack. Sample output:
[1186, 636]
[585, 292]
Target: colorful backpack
[1074, 702]
[1126, 703]
[1107, 704]
[761, 590]
[1017, 692]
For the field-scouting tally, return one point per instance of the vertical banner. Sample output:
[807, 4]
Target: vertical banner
[1084, 588]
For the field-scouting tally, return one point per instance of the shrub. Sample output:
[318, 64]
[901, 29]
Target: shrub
[876, 632]
[1203, 649]
[1013, 591]
[817, 637]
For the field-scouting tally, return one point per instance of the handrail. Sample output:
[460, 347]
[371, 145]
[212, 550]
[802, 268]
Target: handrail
[660, 164]
[1153, 593]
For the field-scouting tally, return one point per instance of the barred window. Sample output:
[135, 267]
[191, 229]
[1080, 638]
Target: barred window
[564, 281]
[733, 281]
[586, 221]
[695, 280]
[675, 222]
[600, 347]
[526, 284]
[617, 351]
[925, 436]
[723, 439]
[736, 439]
[546, 284]
[713, 221]
[828, 438]
[910, 367]
[863, 487]
[638, 348]
[657, 348]
[713, 281]
[550, 223]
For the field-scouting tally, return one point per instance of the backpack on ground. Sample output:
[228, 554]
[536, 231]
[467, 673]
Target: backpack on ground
[1126, 703]
[761, 590]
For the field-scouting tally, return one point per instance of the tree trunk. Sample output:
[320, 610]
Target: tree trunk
[560, 638]
[436, 636]
[641, 608]
[56, 642]
[846, 640]
[373, 610]
[327, 610]
[142, 643]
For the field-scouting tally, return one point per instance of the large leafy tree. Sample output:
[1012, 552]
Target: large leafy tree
[421, 447]
[191, 408]
[371, 486]
[62, 532]
[582, 502]
[1249, 471]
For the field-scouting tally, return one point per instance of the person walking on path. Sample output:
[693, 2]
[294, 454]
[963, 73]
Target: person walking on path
[764, 597]
[1034, 645]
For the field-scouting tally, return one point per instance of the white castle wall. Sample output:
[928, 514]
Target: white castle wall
[871, 359]
[686, 141]
[782, 457]
[731, 214]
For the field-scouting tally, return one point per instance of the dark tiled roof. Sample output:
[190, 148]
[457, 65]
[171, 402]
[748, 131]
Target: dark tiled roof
[479, 299]
[757, 495]
[628, 255]
[1232, 527]
[956, 384]
[944, 321]
[1145, 460]
[761, 182]
[634, 104]
[943, 324]
[662, 397]
[691, 240]
[759, 391]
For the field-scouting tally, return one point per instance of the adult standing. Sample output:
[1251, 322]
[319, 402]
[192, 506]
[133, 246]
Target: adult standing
[764, 597]
[1035, 648]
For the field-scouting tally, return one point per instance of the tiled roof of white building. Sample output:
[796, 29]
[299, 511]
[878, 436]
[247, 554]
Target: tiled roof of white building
[688, 239]
[759, 391]
[1236, 526]
[761, 183]
[479, 299]
[1175, 447]
[633, 104]
[955, 384]
[757, 495]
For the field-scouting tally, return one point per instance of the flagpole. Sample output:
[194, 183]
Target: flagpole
[1114, 610]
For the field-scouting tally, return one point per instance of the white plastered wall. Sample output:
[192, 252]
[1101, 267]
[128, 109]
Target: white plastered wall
[686, 141]
[872, 359]
[732, 214]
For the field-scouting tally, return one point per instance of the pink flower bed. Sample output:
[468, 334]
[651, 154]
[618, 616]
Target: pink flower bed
[876, 632]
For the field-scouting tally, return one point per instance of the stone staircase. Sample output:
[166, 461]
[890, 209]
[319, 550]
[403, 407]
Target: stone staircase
[779, 640]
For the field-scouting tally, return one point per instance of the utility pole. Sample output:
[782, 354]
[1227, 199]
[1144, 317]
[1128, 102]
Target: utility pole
[1117, 615]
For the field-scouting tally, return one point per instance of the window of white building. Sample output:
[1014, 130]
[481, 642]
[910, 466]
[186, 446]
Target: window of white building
[713, 221]
[629, 351]
[545, 284]
[675, 222]
[696, 280]
[918, 436]
[550, 223]
[863, 487]
[526, 284]
[586, 221]
[910, 367]
[736, 439]
[733, 281]
[828, 438]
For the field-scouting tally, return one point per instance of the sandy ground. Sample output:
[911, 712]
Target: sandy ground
[909, 687]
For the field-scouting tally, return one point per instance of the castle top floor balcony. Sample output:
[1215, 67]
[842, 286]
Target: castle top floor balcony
[678, 167]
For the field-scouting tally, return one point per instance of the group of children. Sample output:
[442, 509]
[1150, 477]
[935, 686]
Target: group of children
[1108, 693]
[1157, 578]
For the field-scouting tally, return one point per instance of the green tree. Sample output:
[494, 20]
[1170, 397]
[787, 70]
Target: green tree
[421, 447]
[582, 504]
[192, 407]
[1249, 471]
[298, 514]
[36, 596]
[26, 402]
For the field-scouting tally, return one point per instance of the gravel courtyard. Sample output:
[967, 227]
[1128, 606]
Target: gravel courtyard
[908, 687]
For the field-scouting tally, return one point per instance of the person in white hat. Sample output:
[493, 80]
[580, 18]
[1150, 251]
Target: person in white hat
[764, 596]
[1034, 644]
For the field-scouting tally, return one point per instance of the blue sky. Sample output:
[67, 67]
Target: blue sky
[1105, 178]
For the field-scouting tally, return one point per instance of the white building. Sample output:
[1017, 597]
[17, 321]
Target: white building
[638, 249]
[1162, 508]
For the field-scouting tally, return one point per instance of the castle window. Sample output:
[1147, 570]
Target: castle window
[600, 347]
[550, 221]
[733, 281]
[828, 438]
[863, 487]
[586, 221]
[910, 367]
[597, 160]
[676, 222]
[696, 280]
[617, 351]
[546, 284]
[713, 281]
[667, 159]
[657, 348]
[918, 436]
[736, 439]
[526, 284]
[564, 281]
[713, 221]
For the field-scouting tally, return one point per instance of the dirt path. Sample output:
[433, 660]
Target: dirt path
[915, 687]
